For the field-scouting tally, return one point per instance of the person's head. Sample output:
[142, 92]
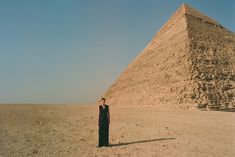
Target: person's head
[102, 101]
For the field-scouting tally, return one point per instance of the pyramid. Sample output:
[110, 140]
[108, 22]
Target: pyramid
[189, 64]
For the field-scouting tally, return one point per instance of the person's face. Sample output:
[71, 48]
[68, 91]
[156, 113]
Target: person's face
[102, 102]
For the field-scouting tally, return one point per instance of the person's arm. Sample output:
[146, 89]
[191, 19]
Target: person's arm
[99, 117]
[108, 115]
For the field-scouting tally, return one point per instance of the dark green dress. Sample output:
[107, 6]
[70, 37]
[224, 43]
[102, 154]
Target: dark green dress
[103, 126]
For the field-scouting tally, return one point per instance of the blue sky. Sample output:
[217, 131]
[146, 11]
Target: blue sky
[71, 51]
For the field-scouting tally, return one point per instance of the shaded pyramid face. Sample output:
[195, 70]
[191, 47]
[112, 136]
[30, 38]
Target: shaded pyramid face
[189, 64]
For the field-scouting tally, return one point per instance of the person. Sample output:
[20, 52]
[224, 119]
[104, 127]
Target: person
[103, 123]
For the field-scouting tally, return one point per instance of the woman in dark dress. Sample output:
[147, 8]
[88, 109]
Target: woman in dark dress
[103, 123]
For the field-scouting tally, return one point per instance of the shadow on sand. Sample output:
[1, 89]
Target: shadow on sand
[142, 141]
[220, 110]
[228, 110]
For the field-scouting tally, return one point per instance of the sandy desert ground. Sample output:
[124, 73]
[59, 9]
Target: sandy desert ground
[71, 130]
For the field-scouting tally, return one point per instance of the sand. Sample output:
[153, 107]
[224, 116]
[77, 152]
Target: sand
[71, 130]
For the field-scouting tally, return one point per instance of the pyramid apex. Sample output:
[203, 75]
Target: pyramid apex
[185, 7]
[188, 10]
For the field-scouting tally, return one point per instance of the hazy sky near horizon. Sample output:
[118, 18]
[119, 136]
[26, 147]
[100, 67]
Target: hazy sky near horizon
[71, 51]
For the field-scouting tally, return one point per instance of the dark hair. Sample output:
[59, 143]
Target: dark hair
[102, 99]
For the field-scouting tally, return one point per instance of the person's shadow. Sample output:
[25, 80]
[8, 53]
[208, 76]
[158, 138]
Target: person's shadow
[141, 141]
